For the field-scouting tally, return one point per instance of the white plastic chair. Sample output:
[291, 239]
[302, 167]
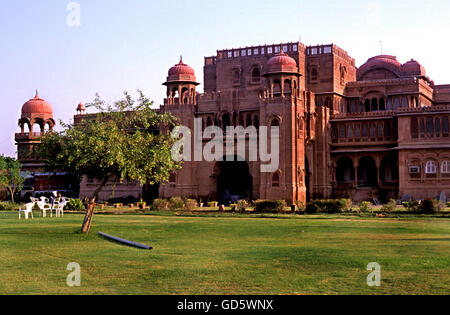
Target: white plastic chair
[43, 206]
[45, 199]
[60, 209]
[28, 210]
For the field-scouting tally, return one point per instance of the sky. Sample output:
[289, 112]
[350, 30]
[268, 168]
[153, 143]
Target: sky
[128, 45]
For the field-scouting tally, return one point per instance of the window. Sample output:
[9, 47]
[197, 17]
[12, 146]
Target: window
[350, 132]
[430, 127]
[314, 74]
[277, 49]
[236, 53]
[243, 53]
[269, 50]
[236, 76]
[327, 50]
[248, 121]
[256, 75]
[255, 51]
[275, 123]
[437, 127]
[263, 50]
[342, 132]
[414, 128]
[294, 47]
[313, 51]
[431, 168]
[285, 48]
[249, 52]
[445, 127]
[230, 54]
[445, 167]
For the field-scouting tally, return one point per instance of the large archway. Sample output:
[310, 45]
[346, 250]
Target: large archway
[234, 181]
[345, 172]
[367, 172]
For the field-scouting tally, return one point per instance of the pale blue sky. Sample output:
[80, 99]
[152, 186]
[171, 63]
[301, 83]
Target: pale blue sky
[130, 44]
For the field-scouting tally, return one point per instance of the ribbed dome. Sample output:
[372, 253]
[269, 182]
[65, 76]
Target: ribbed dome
[37, 105]
[181, 69]
[81, 107]
[412, 67]
[281, 59]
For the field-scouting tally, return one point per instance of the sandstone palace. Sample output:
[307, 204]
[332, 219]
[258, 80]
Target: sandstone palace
[377, 131]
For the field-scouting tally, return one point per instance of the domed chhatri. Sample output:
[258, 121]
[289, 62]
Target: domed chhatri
[181, 72]
[281, 63]
[390, 63]
[37, 106]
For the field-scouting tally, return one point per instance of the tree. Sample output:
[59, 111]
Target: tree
[121, 142]
[11, 178]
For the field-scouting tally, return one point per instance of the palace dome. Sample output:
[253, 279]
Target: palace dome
[281, 63]
[412, 67]
[181, 69]
[281, 59]
[37, 105]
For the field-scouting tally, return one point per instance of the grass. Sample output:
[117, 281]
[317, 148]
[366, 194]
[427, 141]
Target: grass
[226, 254]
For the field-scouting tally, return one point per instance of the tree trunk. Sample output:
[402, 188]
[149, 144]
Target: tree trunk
[86, 227]
[12, 194]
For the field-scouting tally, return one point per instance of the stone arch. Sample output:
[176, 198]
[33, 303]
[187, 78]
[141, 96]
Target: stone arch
[345, 170]
[367, 172]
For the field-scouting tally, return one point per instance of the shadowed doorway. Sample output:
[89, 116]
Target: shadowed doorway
[234, 181]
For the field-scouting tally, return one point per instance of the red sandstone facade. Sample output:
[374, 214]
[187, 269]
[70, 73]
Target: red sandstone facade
[378, 131]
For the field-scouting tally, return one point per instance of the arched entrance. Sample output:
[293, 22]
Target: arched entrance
[234, 181]
[367, 172]
[345, 172]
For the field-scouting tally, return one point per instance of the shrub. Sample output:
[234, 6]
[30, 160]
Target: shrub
[190, 204]
[176, 203]
[325, 206]
[267, 206]
[346, 204]
[431, 206]
[412, 206]
[9, 206]
[75, 204]
[241, 205]
[160, 204]
[311, 208]
[365, 206]
[213, 204]
[300, 206]
[390, 206]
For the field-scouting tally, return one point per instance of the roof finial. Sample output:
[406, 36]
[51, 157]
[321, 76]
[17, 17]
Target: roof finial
[37, 94]
[181, 59]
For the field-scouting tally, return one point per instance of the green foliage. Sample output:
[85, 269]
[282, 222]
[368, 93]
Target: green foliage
[300, 206]
[160, 204]
[120, 142]
[269, 206]
[365, 206]
[176, 203]
[432, 206]
[390, 206]
[10, 177]
[242, 205]
[75, 204]
[212, 204]
[346, 205]
[9, 206]
[412, 206]
[190, 204]
[325, 206]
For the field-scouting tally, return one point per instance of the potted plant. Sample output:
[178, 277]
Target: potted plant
[142, 204]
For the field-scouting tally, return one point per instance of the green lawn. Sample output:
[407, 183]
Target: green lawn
[226, 254]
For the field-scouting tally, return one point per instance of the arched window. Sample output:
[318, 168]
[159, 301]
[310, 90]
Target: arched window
[226, 121]
[374, 105]
[256, 122]
[350, 132]
[275, 123]
[445, 167]
[389, 104]
[287, 87]
[236, 76]
[382, 104]
[256, 75]
[276, 87]
[367, 106]
[276, 180]
[431, 168]
[248, 121]
[209, 121]
[430, 127]
[37, 129]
